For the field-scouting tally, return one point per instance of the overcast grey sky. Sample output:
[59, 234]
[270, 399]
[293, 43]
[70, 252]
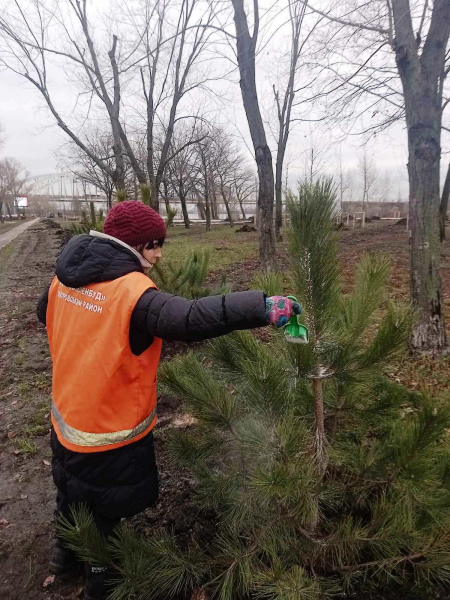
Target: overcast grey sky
[33, 138]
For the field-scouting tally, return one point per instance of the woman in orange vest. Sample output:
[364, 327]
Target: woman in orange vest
[105, 322]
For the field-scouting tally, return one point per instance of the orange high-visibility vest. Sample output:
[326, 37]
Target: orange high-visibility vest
[104, 396]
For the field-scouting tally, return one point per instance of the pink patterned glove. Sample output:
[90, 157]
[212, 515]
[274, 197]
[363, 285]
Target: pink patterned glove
[280, 309]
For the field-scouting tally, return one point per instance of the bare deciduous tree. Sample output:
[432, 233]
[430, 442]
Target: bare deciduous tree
[385, 187]
[422, 77]
[297, 11]
[246, 52]
[73, 159]
[168, 76]
[315, 157]
[368, 175]
[202, 188]
[163, 49]
[28, 43]
[416, 37]
[182, 170]
[244, 187]
[342, 177]
[226, 162]
[12, 184]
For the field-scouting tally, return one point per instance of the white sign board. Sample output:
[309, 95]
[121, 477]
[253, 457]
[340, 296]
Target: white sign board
[22, 201]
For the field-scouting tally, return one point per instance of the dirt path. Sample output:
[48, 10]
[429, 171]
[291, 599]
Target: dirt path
[10, 235]
[26, 486]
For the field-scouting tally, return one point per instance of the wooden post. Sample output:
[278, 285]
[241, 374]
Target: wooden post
[363, 218]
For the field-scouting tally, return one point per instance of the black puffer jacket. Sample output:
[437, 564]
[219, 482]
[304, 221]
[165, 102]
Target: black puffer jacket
[124, 481]
[86, 259]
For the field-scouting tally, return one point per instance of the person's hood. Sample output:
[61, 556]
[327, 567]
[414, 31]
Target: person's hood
[95, 258]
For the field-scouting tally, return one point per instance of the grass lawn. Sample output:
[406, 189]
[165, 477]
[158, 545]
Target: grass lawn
[8, 225]
[225, 245]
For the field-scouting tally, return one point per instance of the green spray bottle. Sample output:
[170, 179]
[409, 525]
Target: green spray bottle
[294, 331]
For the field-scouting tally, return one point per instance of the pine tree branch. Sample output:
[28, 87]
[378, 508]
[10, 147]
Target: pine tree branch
[384, 561]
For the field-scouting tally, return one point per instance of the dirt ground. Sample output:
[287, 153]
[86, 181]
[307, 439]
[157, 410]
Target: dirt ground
[26, 488]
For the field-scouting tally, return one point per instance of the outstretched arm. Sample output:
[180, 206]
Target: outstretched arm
[173, 318]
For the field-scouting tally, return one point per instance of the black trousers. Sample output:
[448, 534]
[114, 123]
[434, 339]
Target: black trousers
[104, 525]
[113, 484]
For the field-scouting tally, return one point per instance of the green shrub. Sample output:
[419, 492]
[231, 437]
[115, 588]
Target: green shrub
[88, 223]
[146, 194]
[171, 214]
[270, 283]
[121, 194]
[189, 279]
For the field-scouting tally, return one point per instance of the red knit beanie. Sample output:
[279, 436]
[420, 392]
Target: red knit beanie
[134, 223]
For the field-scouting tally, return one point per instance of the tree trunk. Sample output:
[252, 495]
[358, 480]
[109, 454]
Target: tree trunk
[421, 78]
[154, 196]
[114, 111]
[164, 153]
[279, 197]
[119, 178]
[2, 220]
[320, 439]
[207, 201]
[241, 204]
[208, 212]
[184, 210]
[423, 167]
[214, 211]
[227, 205]
[201, 209]
[166, 196]
[246, 45]
[444, 205]
[264, 210]
[154, 199]
[8, 210]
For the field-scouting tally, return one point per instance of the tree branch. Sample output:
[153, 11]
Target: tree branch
[361, 26]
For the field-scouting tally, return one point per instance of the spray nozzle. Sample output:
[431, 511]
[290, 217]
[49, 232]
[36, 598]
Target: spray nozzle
[294, 331]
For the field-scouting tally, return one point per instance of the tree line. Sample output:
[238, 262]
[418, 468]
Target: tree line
[13, 183]
[206, 168]
[145, 73]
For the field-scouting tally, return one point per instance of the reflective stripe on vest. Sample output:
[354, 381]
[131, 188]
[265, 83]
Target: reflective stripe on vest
[83, 438]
